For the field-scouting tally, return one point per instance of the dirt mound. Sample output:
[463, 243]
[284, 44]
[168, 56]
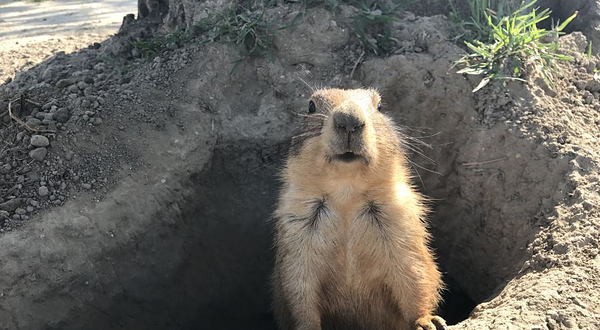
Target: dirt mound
[171, 228]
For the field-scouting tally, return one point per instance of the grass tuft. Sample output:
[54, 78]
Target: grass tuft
[504, 41]
[159, 43]
[246, 28]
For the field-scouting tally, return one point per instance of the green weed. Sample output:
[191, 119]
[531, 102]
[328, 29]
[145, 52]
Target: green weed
[473, 20]
[159, 43]
[246, 28]
[512, 41]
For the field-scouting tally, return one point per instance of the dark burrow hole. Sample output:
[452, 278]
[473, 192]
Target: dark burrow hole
[238, 195]
[456, 304]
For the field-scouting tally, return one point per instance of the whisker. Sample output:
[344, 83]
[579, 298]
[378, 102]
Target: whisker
[426, 169]
[427, 136]
[312, 89]
[427, 158]
[418, 175]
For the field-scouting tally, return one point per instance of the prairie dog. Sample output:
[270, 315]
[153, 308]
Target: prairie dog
[350, 234]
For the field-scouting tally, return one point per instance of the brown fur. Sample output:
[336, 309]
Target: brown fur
[351, 241]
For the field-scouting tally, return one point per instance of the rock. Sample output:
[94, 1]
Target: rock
[86, 186]
[82, 85]
[34, 176]
[34, 122]
[51, 72]
[124, 80]
[4, 169]
[135, 53]
[43, 191]
[580, 84]
[40, 115]
[20, 211]
[100, 67]
[88, 80]
[590, 66]
[39, 141]
[52, 126]
[11, 205]
[593, 86]
[62, 115]
[119, 47]
[4, 215]
[38, 154]
[73, 89]
[64, 83]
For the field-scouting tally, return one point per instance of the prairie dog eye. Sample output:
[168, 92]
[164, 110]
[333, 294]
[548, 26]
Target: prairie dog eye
[312, 108]
[379, 106]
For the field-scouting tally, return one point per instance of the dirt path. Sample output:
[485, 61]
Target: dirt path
[32, 31]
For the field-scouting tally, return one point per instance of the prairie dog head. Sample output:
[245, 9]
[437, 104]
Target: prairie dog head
[345, 128]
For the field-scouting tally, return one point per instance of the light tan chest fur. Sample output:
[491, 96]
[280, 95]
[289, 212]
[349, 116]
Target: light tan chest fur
[360, 239]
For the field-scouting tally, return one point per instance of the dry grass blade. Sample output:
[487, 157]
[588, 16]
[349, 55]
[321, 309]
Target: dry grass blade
[22, 123]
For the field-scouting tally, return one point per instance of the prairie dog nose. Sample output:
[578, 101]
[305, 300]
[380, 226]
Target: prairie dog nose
[347, 122]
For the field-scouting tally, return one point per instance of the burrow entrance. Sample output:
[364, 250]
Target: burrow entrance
[479, 178]
[482, 198]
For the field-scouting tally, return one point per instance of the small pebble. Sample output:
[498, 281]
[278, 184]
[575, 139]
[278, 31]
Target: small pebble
[4, 169]
[43, 191]
[82, 85]
[38, 154]
[73, 89]
[64, 83]
[34, 122]
[39, 141]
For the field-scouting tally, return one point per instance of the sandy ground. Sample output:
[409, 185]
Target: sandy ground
[32, 31]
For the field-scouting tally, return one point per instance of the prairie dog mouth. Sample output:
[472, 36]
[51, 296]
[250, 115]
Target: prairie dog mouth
[347, 157]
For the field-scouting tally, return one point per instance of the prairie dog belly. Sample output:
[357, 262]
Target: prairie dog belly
[353, 237]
